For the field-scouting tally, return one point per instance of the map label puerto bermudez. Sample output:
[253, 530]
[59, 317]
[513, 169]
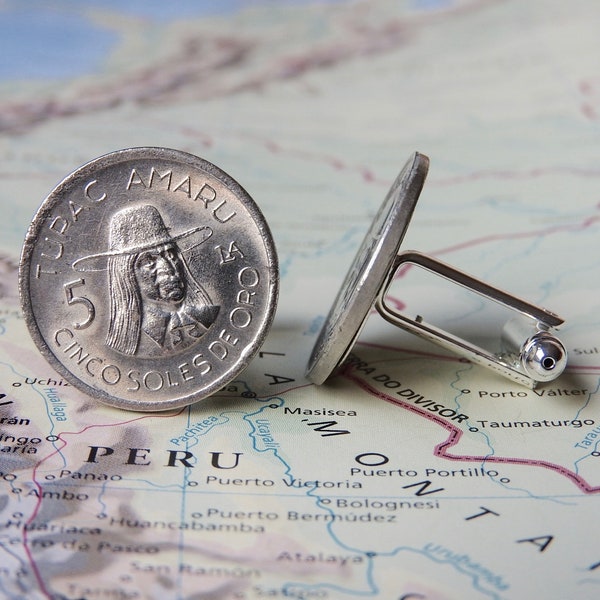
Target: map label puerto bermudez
[149, 278]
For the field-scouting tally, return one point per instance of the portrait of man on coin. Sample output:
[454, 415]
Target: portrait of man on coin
[156, 305]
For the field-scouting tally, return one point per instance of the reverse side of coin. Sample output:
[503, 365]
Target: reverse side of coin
[367, 274]
[149, 278]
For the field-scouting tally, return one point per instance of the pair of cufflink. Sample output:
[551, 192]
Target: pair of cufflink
[529, 352]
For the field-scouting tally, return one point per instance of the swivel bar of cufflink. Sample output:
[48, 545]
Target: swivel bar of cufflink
[530, 353]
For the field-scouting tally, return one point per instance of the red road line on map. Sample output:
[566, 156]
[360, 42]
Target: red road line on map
[579, 226]
[275, 147]
[455, 434]
[584, 224]
[36, 571]
[532, 173]
[369, 176]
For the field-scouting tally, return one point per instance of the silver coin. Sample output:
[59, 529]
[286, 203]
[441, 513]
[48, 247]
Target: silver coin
[148, 278]
[368, 271]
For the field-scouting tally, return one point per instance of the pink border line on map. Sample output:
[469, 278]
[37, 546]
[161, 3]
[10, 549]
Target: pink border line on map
[36, 571]
[455, 434]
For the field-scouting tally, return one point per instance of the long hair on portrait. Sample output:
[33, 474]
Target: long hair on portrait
[125, 320]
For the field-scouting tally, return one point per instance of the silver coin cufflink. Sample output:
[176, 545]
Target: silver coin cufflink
[148, 279]
[529, 352]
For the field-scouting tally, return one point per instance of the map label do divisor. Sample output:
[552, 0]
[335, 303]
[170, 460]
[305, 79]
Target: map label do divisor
[405, 394]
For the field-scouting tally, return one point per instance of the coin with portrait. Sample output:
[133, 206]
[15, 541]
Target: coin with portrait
[149, 278]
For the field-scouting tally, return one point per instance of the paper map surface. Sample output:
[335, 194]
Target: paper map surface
[411, 475]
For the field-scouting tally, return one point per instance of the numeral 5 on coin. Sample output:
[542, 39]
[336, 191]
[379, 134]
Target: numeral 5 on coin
[73, 299]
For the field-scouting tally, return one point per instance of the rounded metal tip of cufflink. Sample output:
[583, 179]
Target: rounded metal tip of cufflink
[543, 357]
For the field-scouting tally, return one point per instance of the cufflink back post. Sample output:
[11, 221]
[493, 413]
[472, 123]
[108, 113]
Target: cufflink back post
[529, 353]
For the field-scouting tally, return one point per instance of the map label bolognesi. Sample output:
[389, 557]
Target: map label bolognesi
[149, 278]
